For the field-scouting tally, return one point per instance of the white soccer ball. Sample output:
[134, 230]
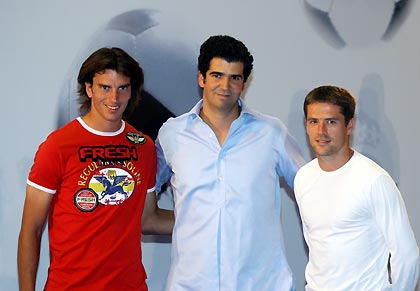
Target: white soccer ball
[355, 22]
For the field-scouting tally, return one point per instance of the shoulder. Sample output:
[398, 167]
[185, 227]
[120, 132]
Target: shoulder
[266, 120]
[56, 143]
[181, 119]
[368, 167]
[135, 136]
[309, 167]
[130, 128]
[375, 181]
[367, 174]
[175, 124]
[308, 171]
[64, 132]
[306, 176]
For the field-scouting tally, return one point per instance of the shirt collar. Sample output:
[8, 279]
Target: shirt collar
[195, 111]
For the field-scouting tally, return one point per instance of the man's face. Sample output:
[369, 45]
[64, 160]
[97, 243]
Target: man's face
[110, 93]
[222, 85]
[328, 134]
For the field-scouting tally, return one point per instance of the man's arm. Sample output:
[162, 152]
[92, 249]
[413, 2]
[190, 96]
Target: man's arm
[391, 216]
[35, 212]
[154, 219]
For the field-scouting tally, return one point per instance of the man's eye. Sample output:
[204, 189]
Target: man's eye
[330, 121]
[123, 88]
[104, 87]
[236, 78]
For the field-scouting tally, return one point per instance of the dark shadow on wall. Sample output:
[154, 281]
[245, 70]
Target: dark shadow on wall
[292, 225]
[374, 134]
[149, 115]
[296, 124]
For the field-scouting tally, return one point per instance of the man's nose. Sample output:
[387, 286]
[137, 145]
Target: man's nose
[224, 82]
[113, 95]
[321, 127]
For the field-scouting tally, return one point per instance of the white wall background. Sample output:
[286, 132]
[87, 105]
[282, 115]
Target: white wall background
[42, 42]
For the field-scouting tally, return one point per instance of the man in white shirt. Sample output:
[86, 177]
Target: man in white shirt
[354, 219]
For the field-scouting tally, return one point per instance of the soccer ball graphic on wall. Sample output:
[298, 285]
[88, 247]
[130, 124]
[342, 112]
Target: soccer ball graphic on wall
[169, 65]
[356, 23]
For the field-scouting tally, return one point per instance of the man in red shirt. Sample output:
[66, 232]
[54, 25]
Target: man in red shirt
[94, 178]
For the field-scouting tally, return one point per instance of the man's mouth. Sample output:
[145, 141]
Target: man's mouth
[112, 107]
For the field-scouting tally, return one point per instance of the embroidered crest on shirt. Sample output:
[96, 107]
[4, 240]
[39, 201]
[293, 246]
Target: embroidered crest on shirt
[112, 185]
[135, 138]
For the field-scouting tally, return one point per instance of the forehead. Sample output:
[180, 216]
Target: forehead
[110, 75]
[324, 109]
[221, 65]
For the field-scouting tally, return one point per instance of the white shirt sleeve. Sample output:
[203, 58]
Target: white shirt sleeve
[391, 216]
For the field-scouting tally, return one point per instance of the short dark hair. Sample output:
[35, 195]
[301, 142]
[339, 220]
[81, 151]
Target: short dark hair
[333, 95]
[227, 48]
[110, 59]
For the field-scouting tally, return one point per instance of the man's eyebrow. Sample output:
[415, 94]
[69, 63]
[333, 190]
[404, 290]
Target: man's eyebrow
[107, 85]
[224, 74]
[237, 75]
[216, 72]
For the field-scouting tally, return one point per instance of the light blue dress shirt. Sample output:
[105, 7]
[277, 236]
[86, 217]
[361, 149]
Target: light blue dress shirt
[227, 233]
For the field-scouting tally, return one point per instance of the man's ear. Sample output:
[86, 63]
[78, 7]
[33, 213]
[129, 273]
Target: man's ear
[201, 79]
[306, 125]
[88, 89]
[350, 126]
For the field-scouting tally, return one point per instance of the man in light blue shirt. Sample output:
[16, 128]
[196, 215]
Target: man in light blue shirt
[223, 161]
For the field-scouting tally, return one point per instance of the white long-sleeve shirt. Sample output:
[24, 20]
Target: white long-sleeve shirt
[353, 219]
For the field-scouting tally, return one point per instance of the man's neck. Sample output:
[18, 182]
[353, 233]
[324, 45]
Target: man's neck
[219, 122]
[332, 163]
[101, 125]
